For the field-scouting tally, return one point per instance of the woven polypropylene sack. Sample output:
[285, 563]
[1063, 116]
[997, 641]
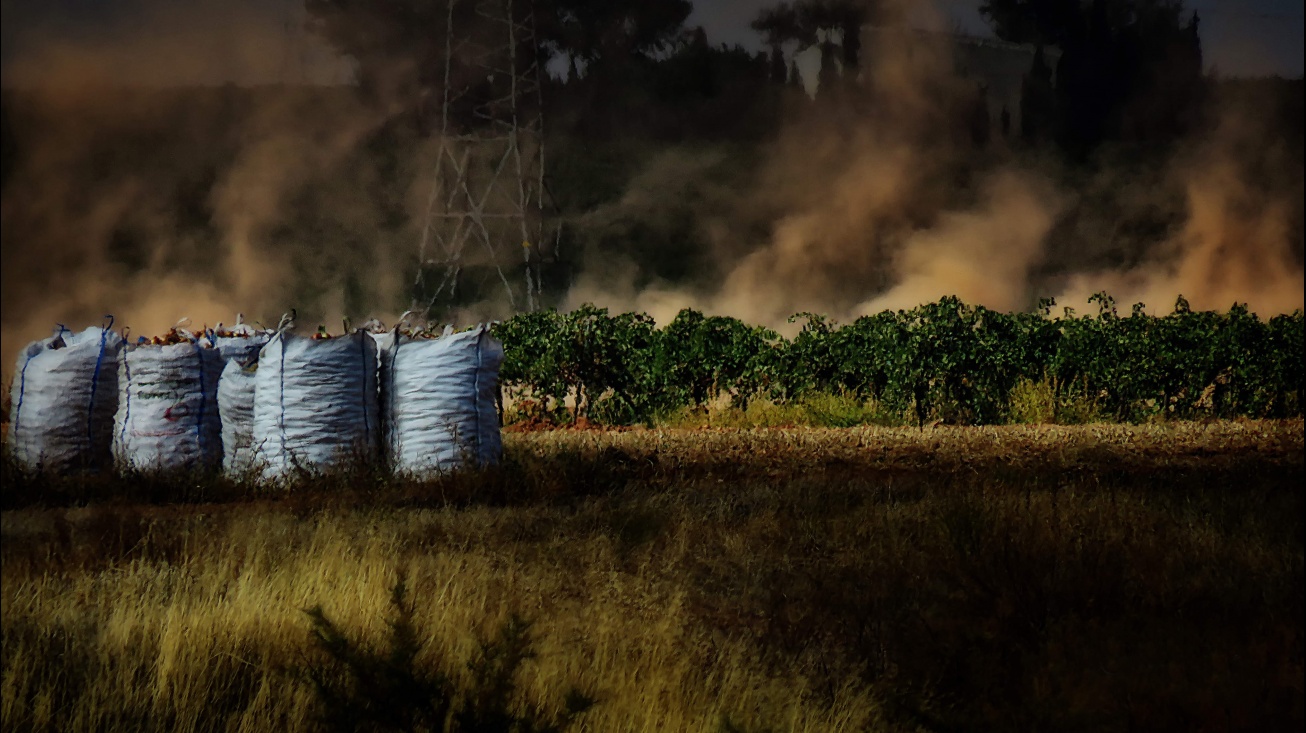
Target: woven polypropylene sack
[439, 403]
[236, 408]
[63, 397]
[385, 342]
[167, 415]
[243, 348]
[315, 403]
[236, 396]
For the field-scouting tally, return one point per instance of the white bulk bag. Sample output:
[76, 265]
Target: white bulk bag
[440, 402]
[168, 407]
[384, 345]
[385, 342]
[243, 348]
[239, 346]
[315, 402]
[236, 408]
[63, 397]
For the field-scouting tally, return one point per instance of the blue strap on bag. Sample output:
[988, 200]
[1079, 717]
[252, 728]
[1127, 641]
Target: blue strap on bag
[95, 381]
[389, 382]
[22, 379]
[22, 389]
[199, 422]
[287, 321]
[362, 353]
[476, 385]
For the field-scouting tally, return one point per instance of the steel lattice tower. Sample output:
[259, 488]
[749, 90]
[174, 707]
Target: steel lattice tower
[485, 206]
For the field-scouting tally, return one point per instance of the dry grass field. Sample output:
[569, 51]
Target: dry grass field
[1100, 577]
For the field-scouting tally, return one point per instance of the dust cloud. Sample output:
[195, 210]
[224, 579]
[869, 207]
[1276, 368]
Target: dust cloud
[120, 134]
[1240, 238]
[160, 44]
[882, 205]
[866, 211]
[982, 255]
[890, 206]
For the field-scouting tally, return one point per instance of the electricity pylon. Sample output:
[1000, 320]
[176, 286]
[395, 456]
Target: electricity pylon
[485, 205]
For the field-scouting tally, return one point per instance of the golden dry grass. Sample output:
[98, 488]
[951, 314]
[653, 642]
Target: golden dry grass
[800, 580]
[172, 638]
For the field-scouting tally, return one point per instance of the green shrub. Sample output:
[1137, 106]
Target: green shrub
[815, 409]
[1032, 402]
[1049, 402]
[843, 410]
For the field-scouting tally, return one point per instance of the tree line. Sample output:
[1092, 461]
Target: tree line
[1126, 69]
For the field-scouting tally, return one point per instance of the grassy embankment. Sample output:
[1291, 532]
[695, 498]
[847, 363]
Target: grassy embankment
[1011, 578]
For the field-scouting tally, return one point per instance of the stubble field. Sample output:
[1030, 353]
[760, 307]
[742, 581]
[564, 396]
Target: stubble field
[1098, 577]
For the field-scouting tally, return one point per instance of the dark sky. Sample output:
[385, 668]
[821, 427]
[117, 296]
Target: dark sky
[262, 40]
[1240, 37]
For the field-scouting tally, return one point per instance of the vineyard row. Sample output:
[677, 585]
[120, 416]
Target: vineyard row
[942, 361]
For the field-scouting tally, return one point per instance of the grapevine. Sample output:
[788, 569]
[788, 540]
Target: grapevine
[940, 361]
